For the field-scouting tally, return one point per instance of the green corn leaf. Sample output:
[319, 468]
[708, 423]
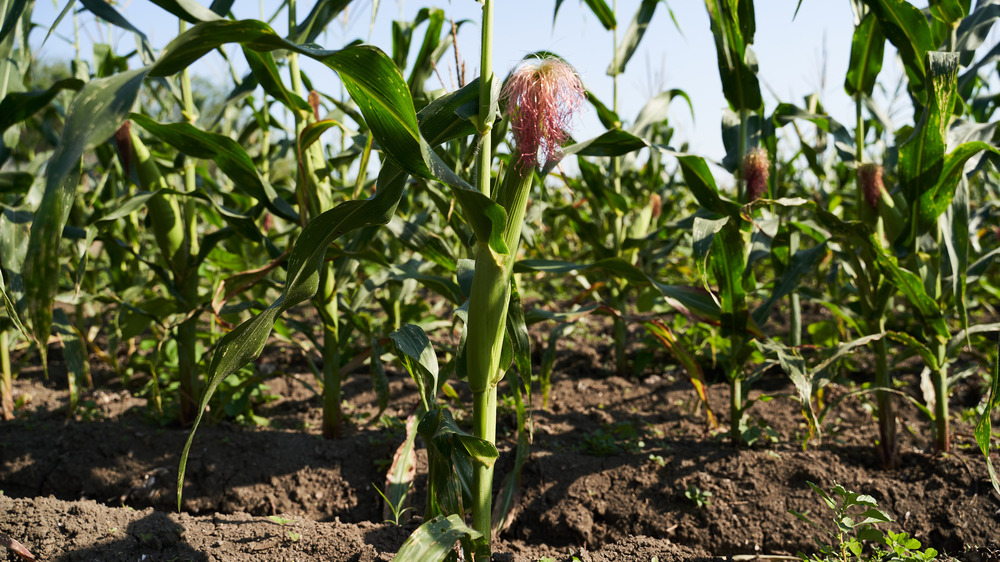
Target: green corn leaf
[959, 241]
[949, 11]
[984, 429]
[614, 142]
[729, 266]
[189, 11]
[906, 27]
[733, 27]
[936, 199]
[786, 113]
[17, 107]
[429, 54]
[655, 111]
[609, 119]
[693, 302]
[96, 112]
[9, 22]
[265, 70]
[599, 8]
[802, 263]
[701, 182]
[921, 157]
[633, 35]
[506, 503]
[517, 330]
[411, 340]
[320, 16]
[867, 52]
[108, 13]
[925, 353]
[124, 206]
[703, 233]
[231, 158]
[911, 285]
[973, 30]
[15, 226]
[420, 239]
[434, 540]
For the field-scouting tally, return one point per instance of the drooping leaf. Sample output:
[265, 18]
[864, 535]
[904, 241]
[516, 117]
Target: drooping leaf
[733, 28]
[984, 429]
[434, 540]
[320, 16]
[921, 157]
[96, 112]
[912, 286]
[231, 158]
[633, 35]
[867, 52]
[188, 10]
[701, 182]
[906, 27]
[17, 107]
[599, 8]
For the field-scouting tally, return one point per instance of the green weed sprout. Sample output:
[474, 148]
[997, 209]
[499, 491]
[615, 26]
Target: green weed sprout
[855, 518]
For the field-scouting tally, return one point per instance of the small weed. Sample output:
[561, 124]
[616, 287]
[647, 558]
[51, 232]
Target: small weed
[145, 537]
[280, 520]
[616, 439]
[658, 460]
[397, 510]
[856, 538]
[699, 497]
[293, 536]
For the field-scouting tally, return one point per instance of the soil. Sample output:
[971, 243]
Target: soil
[616, 468]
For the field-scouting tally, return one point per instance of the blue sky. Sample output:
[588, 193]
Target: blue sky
[797, 56]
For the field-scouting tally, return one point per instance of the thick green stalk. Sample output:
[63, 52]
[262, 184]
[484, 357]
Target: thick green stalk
[741, 150]
[796, 320]
[326, 302]
[488, 302]
[942, 431]
[618, 233]
[185, 276]
[735, 409]
[859, 132]
[6, 378]
[886, 407]
[486, 116]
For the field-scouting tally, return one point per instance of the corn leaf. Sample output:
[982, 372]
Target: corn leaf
[984, 429]
[633, 35]
[733, 26]
[434, 540]
[867, 51]
[599, 8]
[231, 158]
[906, 27]
[701, 182]
[911, 285]
[17, 107]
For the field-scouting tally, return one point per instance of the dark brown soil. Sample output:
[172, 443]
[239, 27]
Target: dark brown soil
[612, 460]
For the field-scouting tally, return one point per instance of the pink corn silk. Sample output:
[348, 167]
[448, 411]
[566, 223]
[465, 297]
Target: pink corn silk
[542, 96]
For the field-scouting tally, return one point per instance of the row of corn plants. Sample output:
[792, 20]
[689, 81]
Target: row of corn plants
[193, 229]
